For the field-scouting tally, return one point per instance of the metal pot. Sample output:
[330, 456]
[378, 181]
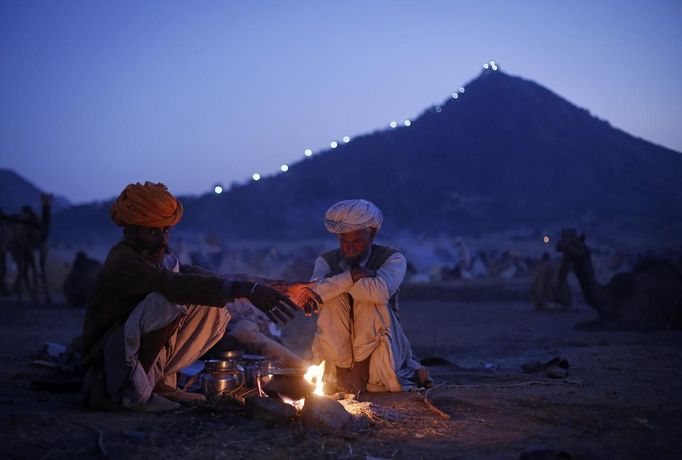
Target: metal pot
[257, 369]
[216, 383]
[289, 383]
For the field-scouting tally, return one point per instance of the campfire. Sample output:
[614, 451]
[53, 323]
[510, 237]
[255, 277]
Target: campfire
[313, 377]
[291, 393]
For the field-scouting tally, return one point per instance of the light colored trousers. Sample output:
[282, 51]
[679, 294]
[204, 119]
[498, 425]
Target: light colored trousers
[375, 333]
[125, 381]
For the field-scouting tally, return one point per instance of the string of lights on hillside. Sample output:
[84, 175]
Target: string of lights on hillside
[488, 66]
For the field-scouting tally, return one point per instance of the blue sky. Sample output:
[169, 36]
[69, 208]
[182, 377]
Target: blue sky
[99, 94]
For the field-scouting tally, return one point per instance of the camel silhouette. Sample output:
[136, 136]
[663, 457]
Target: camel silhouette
[549, 290]
[22, 236]
[647, 297]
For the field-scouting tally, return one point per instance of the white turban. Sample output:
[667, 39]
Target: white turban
[351, 215]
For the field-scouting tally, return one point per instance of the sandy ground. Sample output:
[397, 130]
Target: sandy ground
[621, 400]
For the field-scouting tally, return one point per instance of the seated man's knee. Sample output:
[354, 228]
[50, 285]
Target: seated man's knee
[152, 313]
[161, 306]
[154, 299]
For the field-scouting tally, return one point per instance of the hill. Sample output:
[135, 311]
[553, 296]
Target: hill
[15, 192]
[506, 152]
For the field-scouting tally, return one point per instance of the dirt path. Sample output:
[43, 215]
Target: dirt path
[621, 399]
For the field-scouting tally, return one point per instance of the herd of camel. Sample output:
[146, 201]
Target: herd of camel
[647, 297]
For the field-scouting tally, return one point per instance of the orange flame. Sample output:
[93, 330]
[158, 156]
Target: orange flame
[314, 376]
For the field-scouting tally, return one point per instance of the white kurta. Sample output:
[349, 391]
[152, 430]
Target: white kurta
[374, 333]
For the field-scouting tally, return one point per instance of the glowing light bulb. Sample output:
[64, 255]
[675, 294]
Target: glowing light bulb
[334, 144]
[255, 176]
[218, 189]
[393, 124]
[485, 66]
[346, 139]
[407, 122]
[546, 239]
[455, 95]
[492, 63]
[308, 152]
[461, 89]
[284, 168]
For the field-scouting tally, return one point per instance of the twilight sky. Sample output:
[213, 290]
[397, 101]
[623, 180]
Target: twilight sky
[95, 94]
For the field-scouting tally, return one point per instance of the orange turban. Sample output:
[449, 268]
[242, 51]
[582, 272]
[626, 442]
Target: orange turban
[148, 205]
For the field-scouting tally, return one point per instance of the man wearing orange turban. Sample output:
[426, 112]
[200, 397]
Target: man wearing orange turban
[148, 205]
[148, 316]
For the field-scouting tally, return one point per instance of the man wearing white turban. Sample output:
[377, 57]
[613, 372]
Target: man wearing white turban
[358, 332]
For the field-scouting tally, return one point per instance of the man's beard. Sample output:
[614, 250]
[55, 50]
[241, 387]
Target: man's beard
[355, 261]
[157, 252]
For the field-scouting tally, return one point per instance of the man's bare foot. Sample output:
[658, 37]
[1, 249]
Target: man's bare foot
[353, 380]
[342, 378]
[422, 378]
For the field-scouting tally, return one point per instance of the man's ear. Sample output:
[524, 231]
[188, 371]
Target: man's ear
[372, 233]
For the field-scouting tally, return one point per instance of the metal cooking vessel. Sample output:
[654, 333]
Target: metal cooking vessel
[257, 370]
[289, 383]
[221, 365]
[216, 383]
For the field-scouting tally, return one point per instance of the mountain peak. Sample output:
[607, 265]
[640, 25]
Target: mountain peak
[500, 152]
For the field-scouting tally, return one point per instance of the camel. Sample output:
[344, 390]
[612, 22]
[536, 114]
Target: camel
[647, 297]
[549, 290]
[11, 242]
[22, 236]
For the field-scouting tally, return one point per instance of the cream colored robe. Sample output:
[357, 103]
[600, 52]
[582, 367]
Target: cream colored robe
[375, 332]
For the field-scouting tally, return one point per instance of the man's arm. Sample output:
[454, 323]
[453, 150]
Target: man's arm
[187, 288]
[299, 293]
[197, 270]
[380, 287]
[326, 286]
[137, 278]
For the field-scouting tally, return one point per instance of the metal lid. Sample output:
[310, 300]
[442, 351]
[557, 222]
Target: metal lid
[229, 354]
[221, 365]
